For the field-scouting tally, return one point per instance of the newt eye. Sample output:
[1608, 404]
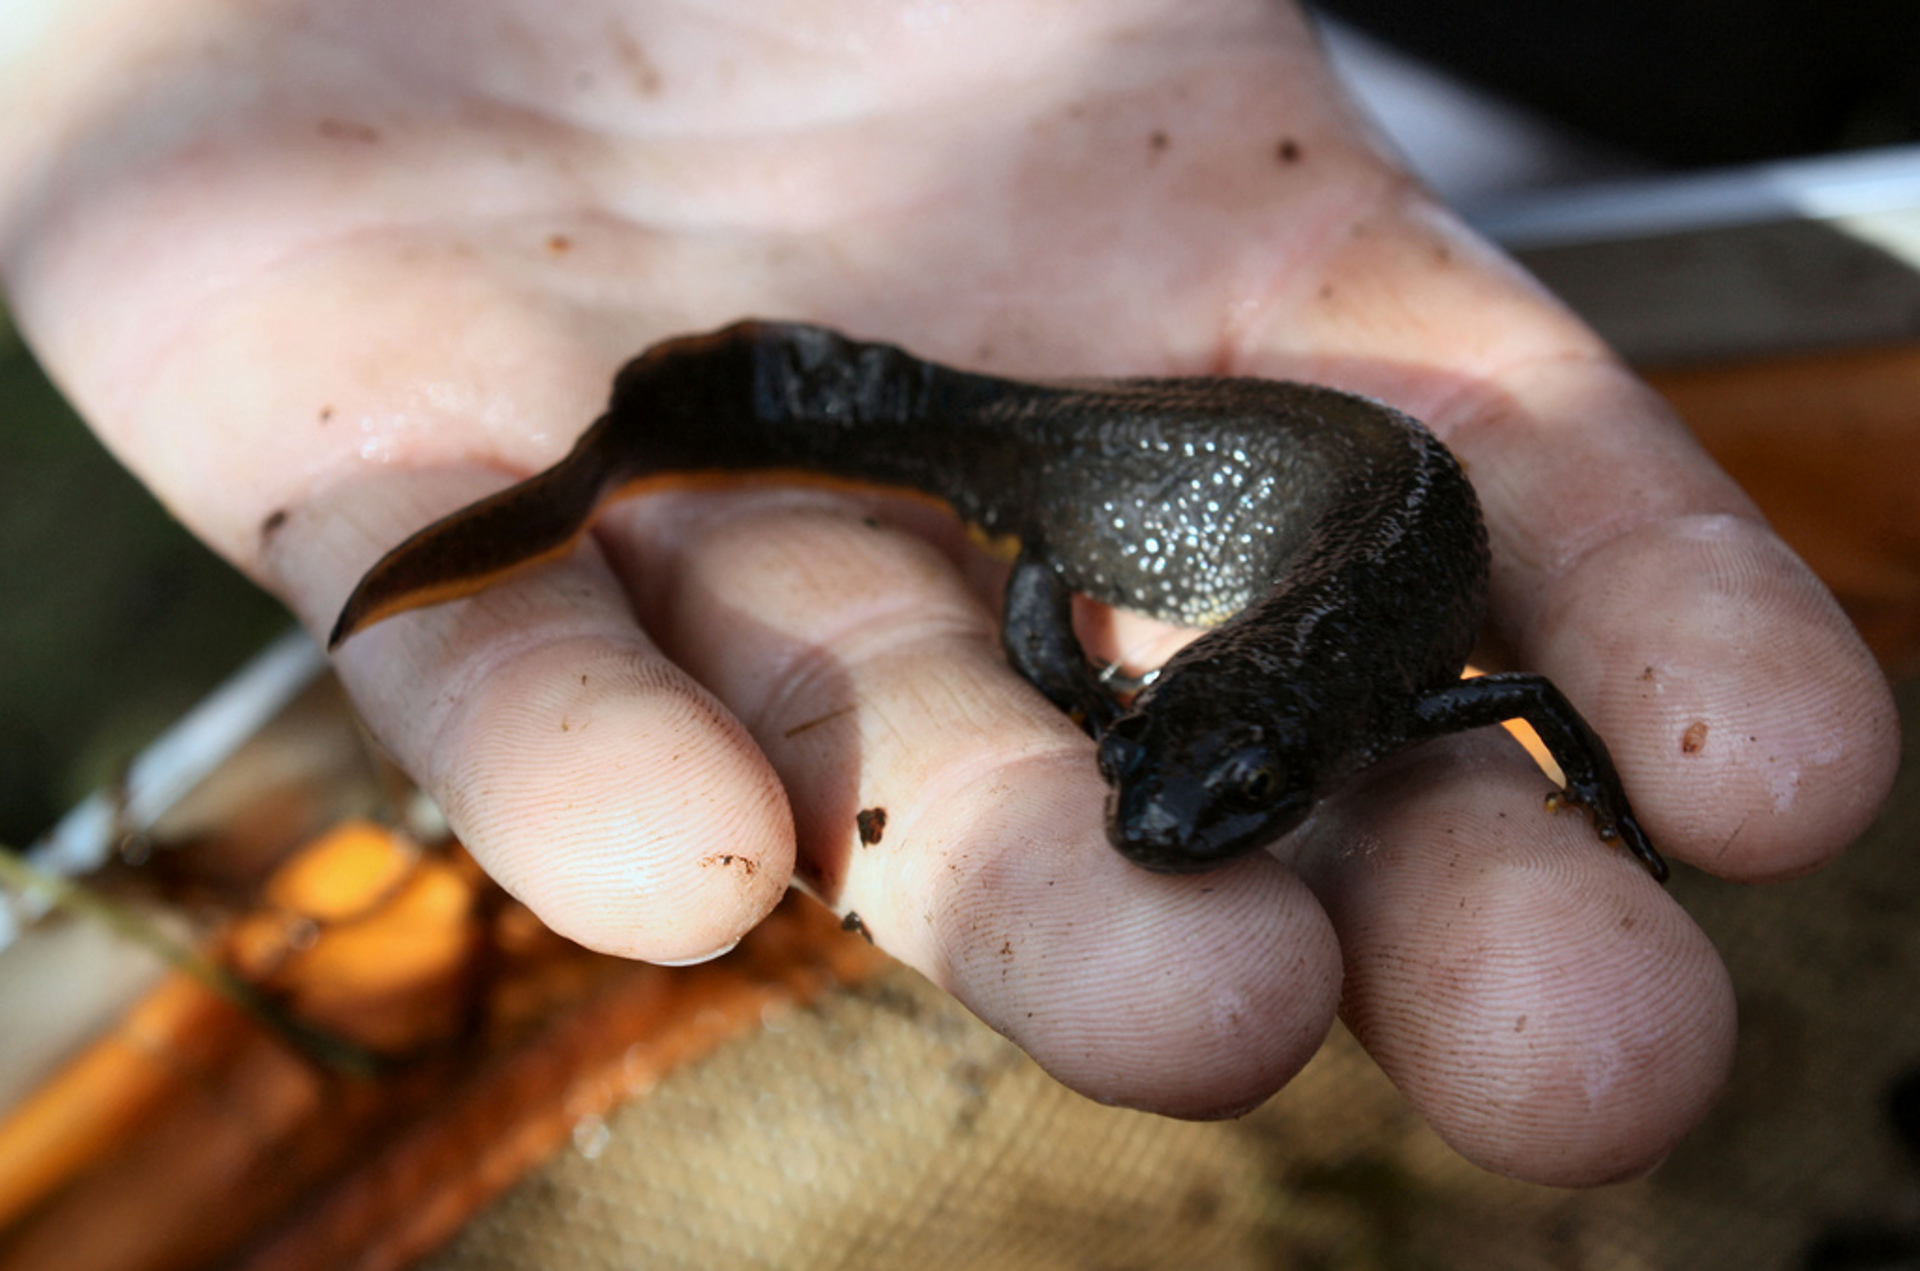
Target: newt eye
[1257, 785]
[1250, 777]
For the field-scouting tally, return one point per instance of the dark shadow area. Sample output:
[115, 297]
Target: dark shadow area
[1683, 82]
[113, 619]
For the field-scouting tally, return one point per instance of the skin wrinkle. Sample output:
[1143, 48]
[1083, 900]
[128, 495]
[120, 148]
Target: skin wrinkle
[1723, 573]
[1557, 604]
[1474, 396]
[1245, 342]
[889, 621]
[942, 786]
[1070, 785]
[1376, 302]
[474, 689]
[239, 260]
[942, 776]
[885, 618]
[289, 250]
[875, 616]
[698, 128]
[434, 442]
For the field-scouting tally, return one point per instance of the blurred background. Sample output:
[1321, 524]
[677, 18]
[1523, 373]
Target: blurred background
[113, 620]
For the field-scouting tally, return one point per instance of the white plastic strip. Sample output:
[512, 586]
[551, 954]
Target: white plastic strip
[184, 756]
[1855, 187]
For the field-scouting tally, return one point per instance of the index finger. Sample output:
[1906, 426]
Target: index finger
[587, 772]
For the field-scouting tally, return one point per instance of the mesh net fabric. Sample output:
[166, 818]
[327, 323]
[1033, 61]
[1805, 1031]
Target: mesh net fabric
[883, 1126]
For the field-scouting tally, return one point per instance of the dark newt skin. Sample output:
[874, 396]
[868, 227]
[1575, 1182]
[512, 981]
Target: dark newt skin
[1333, 546]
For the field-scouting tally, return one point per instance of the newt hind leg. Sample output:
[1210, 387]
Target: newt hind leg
[1582, 756]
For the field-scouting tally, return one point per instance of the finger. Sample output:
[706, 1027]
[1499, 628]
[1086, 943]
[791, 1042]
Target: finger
[877, 684]
[589, 775]
[1746, 716]
[1549, 1010]
[1751, 726]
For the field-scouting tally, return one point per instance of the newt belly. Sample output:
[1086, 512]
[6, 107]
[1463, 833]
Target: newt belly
[1331, 544]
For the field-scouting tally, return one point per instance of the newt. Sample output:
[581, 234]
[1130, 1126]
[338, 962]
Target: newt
[1332, 546]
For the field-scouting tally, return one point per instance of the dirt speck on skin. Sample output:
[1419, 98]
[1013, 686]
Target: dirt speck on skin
[729, 860]
[1200, 1204]
[348, 130]
[1695, 738]
[872, 824]
[644, 75]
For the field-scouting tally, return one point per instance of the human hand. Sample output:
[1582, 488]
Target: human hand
[322, 273]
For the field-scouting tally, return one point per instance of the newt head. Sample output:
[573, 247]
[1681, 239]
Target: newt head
[1186, 799]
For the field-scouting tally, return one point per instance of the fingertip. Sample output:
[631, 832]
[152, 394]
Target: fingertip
[1603, 1083]
[1195, 997]
[1752, 726]
[1207, 1003]
[1547, 1008]
[1623, 1065]
[616, 798]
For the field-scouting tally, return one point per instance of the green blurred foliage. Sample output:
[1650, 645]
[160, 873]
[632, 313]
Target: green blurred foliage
[113, 619]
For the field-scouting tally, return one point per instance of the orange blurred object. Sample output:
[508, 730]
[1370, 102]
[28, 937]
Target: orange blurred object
[1827, 444]
[194, 1129]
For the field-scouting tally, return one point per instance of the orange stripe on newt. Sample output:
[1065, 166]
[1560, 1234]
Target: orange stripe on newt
[358, 617]
[435, 565]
